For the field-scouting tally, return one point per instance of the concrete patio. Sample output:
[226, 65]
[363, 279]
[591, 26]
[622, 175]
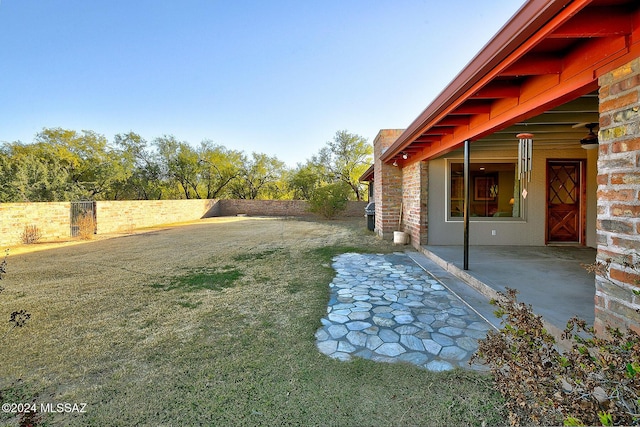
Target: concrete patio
[550, 278]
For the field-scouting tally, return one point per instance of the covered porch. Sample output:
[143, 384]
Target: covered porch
[552, 279]
[561, 78]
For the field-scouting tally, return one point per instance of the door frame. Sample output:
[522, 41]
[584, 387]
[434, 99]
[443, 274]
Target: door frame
[582, 214]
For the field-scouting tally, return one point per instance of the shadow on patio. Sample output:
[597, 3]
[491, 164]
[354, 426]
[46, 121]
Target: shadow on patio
[550, 278]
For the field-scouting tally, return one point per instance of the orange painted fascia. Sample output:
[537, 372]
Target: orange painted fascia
[548, 99]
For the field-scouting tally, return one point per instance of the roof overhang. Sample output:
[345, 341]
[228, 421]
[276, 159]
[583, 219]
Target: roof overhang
[367, 175]
[549, 53]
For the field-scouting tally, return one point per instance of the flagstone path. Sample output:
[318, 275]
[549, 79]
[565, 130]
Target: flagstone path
[386, 308]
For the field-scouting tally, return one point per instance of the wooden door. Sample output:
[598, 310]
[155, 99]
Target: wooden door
[565, 201]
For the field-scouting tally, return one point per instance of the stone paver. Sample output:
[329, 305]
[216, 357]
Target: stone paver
[387, 308]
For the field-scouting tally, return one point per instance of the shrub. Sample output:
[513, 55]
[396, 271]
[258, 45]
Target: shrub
[329, 200]
[86, 226]
[596, 382]
[31, 234]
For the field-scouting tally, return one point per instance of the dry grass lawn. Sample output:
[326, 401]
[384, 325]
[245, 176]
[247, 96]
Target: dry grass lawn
[209, 323]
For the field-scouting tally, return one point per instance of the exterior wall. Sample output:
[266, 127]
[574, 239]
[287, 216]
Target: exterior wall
[279, 208]
[414, 202]
[619, 198]
[528, 231]
[125, 215]
[52, 219]
[54, 222]
[387, 186]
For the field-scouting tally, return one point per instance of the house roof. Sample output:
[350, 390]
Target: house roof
[549, 53]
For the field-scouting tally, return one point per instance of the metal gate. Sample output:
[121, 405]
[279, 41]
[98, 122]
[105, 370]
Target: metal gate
[83, 218]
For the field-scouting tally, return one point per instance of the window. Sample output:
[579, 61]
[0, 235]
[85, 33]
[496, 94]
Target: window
[493, 188]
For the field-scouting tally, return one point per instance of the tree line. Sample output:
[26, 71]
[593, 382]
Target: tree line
[67, 165]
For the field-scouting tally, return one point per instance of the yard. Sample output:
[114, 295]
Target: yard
[209, 323]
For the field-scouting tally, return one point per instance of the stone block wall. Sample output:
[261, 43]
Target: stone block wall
[230, 207]
[51, 218]
[618, 220]
[387, 186]
[125, 215]
[414, 202]
[54, 219]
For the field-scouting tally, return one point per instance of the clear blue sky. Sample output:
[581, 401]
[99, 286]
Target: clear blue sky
[273, 76]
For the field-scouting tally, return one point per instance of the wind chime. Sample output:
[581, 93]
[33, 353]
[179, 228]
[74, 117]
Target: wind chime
[525, 155]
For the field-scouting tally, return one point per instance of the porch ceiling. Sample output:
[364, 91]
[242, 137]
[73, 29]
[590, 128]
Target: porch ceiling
[562, 126]
[538, 74]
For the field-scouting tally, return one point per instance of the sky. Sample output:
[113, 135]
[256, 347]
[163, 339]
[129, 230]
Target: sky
[279, 77]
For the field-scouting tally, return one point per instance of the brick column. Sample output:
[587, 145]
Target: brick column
[414, 202]
[387, 185]
[619, 198]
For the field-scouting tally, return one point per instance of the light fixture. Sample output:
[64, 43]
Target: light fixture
[395, 163]
[405, 155]
[590, 141]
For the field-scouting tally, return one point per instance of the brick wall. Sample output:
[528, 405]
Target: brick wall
[619, 197]
[387, 186]
[414, 201]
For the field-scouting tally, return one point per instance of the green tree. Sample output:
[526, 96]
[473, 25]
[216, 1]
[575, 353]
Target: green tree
[259, 178]
[305, 179]
[7, 189]
[65, 165]
[181, 163]
[205, 172]
[219, 167]
[32, 173]
[91, 165]
[345, 159]
[146, 180]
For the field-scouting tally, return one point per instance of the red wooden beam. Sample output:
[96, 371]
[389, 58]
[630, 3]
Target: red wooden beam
[532, 65]
[597, 22]
[472, 107]
[495, 90]
[428, 139]
[544, 101]
[452, 121]
[436, 131]
[419, 145]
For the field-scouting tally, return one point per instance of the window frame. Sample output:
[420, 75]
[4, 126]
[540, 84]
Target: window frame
[448, 205]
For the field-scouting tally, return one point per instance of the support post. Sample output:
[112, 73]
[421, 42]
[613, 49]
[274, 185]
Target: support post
[467, 180]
